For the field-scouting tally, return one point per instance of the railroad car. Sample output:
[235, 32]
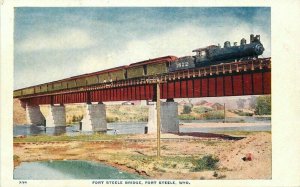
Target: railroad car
[150, 67]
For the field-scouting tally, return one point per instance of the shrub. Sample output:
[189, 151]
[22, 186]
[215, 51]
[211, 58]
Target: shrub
[241, 113]
[217, 114]
[202, 110]
[187, 109]
[77, 118]
[16, 157]
[112, 119]
[263, 105]
[207, 162]
[186, 117]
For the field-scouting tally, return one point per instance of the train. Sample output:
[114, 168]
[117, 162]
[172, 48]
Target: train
[210, 55]
[215, 54]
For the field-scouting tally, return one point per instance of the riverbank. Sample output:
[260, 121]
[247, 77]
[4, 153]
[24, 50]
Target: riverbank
[181, 154]
[218, 125]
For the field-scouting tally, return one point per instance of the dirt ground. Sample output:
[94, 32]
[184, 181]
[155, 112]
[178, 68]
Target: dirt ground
[137, 154]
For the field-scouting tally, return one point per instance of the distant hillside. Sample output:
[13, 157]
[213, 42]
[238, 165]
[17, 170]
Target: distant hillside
[19, 114]
[231, 102]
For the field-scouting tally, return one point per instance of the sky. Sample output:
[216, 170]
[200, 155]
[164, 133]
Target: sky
[56, 43]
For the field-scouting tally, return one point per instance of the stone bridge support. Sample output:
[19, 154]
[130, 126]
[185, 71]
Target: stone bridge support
[95, 119]
[152, 116]
[34, 115]
[56, 117]
[168, 118]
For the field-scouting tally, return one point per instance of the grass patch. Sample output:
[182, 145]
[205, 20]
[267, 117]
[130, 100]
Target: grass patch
[202, 114]
[216, 114]
[16, 157]
[210, 143]
[49, 138]
[241, 112]
[186, 117]
[242, 133]
[158, 169]
[194, 164]
[207, 162]
[201, 109]
[112, 119]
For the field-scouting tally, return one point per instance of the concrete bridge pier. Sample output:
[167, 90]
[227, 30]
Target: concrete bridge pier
[95, 119]
[168, 118]
[34, 115]
[152, 116]
[56, 117]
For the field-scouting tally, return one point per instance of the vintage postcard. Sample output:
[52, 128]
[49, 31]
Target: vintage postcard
[152, 94]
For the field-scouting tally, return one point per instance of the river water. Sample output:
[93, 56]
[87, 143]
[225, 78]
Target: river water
[139, 127]
[71, 169]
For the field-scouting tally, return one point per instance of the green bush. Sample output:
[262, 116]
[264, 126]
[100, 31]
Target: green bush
[187, 109]
[216, 114]
[207, 162]
[142, 118]
[263, 105]
[241, 113]
[77, 118]
[186, 117]
[112, 119]
[202, 110]
[16, 157]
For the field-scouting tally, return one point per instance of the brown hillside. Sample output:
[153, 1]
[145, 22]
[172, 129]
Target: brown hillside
[19, 113]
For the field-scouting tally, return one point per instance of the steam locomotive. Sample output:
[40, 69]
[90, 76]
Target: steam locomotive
[204, 57]
[213, 54]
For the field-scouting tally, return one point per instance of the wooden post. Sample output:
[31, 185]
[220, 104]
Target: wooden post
[224, 114]
[158, 118]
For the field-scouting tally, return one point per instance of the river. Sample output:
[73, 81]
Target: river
[71, 169]
[263, 124]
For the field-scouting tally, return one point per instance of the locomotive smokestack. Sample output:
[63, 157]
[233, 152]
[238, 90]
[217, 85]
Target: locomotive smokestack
[252, 38]
[257, 37]
[226, 44]
[243, 41]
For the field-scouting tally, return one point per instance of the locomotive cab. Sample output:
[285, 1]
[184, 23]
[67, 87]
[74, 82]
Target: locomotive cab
[203, 54]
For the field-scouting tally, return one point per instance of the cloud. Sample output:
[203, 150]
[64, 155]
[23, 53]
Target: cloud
[182, 40]
[178, 42]
[65, 39]
[96, 62]
[102, 43]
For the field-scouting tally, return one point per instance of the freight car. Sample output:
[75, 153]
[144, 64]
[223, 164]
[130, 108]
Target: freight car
[139, 69]
[204, 57]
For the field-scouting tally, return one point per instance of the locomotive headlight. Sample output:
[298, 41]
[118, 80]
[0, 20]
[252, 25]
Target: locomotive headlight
[259, 49]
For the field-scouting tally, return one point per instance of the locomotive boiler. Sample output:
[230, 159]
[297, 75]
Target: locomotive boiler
[214, 54]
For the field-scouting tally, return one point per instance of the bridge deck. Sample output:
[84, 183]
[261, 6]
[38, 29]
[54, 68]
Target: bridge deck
[232, 79]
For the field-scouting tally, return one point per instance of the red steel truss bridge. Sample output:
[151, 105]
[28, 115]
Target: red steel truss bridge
[252, 77]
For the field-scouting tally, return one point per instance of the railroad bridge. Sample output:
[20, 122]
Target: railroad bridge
[251, 77]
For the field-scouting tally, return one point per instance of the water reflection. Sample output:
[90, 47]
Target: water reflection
[139, 128]
[72, 169]
[35, 130]
[113, 128]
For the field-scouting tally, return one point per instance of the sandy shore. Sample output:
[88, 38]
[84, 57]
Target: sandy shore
[136, 154]
[218, 125]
